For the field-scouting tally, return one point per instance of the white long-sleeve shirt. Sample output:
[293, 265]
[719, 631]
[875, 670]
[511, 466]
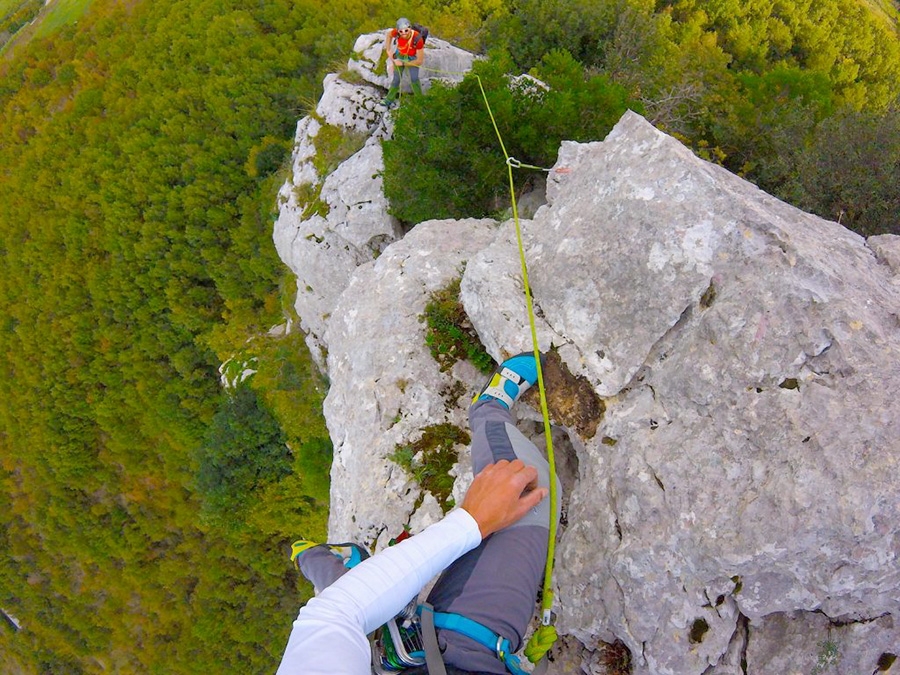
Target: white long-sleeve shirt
[329, 635]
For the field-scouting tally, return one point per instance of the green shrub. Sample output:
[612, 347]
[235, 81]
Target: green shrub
[438, 455]
[269, 158]
[851, 172]
[450, 335]
[334, 144]
[445, 160]
[244, 451]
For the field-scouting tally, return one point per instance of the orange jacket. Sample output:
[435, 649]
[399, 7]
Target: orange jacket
[408, 46]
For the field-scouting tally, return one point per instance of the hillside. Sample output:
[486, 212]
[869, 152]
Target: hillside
[146, 510]
[139, 154]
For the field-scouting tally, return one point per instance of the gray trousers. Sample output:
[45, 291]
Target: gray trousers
[496, 583]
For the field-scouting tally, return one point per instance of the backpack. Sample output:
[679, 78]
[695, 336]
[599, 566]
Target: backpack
[422, 31]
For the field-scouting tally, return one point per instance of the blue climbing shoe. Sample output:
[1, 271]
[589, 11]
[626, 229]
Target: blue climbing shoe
[513, 378]
[350, 554]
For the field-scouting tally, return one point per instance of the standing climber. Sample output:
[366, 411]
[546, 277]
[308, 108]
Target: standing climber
[492, 551]
[405, 48]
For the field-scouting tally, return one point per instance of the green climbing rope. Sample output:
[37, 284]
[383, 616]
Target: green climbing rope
[545, 635]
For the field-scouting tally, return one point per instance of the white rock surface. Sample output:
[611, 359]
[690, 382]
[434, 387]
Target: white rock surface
[323, 249]
[887, 250]
[385, 386]
[755, 424]
[804, 642]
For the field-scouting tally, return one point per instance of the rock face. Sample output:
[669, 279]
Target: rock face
[748, 355]
[385, 386]
[734, 507]
[333, 216]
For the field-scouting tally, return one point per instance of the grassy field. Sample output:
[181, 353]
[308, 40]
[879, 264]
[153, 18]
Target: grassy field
[53, 15]
[59, 13]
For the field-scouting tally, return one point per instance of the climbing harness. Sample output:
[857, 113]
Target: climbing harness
[472, 630]
[410, 641]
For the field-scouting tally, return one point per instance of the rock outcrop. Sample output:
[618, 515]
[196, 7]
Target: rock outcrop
[733, 506]
[333, 216]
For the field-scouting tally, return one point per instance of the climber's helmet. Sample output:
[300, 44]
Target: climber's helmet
[403, 25]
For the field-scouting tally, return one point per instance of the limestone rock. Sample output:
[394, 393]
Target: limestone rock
[493, 293]
[351, 106]
[443, 61]
[747, 353]
[330, 224]
[887, 249]
[386, 387]
[810, 643]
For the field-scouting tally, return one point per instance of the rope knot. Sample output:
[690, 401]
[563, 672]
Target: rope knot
[540, 643]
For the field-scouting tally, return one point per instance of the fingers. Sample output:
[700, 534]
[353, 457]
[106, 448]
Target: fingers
[531, 499]
[501, 494]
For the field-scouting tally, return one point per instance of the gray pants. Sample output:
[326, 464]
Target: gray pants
[496, 583]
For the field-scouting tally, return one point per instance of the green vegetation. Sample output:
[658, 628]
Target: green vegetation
[429, 460]
[15, 15]
[460, 170]
[450, 335]
[829, 655]
[244, 451]
[334, 145]
[7, 7]
[146, 514]
[801, 99]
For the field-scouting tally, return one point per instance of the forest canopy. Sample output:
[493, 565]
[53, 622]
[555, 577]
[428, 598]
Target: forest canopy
[140, 153]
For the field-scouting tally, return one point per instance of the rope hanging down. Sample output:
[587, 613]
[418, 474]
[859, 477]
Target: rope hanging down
[544, 637]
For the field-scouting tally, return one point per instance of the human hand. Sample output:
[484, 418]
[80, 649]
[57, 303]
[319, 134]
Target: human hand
[501, 494]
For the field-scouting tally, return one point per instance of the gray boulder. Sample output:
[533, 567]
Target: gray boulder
[747, 354]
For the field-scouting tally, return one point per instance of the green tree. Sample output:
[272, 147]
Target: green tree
[771, 120]
[244, 451]
[460, 169]
[851, 172]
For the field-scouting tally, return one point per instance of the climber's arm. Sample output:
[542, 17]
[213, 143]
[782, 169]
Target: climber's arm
[329, 634]
[420, 57]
